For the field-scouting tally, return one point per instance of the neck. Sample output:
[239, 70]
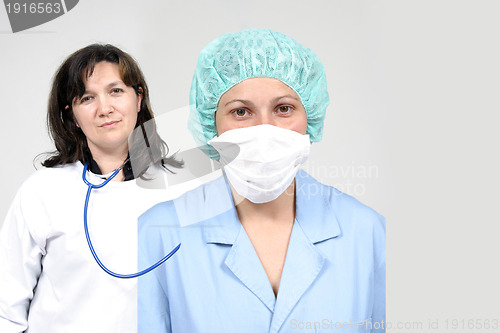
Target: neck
[279, 211]
[110, 161]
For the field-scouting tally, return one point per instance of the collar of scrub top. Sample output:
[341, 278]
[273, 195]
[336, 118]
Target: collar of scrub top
[86, 229]
[317, 218]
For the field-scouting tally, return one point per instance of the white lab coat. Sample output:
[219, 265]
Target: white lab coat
[49, 281]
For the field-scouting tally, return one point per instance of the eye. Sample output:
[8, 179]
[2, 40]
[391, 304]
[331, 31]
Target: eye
[284, 109]
[240, 112]
[116, 90]
[85, 99]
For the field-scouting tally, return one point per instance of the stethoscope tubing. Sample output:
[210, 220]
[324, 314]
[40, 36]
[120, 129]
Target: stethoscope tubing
[87, 234]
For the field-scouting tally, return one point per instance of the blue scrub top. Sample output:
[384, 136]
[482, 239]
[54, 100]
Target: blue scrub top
[333, 277]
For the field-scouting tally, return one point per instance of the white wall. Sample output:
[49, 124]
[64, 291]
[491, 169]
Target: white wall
[412, 129]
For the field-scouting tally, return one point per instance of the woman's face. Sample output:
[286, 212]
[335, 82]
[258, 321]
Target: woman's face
[258, 101]
[107, 111]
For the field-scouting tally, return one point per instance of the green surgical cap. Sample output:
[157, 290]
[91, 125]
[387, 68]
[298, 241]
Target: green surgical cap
[234, 57]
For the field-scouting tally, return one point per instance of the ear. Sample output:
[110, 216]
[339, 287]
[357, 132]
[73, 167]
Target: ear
[74, 119]
[139, 99]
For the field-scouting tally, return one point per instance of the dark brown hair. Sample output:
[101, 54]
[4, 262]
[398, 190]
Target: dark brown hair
[69, 83]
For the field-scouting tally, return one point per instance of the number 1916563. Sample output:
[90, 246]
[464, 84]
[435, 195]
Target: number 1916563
[472, 324]
[33, 8]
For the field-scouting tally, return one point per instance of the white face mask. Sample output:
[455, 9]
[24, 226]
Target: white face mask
[268, 159]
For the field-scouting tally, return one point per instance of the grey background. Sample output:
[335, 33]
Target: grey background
[411, 131]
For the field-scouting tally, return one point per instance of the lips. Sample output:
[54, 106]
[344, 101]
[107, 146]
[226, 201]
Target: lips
[109, 124]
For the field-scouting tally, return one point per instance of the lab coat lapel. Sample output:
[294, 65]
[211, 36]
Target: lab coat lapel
[243, 261]
[315, 222]
[302, 265]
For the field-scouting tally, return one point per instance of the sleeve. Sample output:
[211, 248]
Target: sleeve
[20, 267]
[379, 304]
[153, 313]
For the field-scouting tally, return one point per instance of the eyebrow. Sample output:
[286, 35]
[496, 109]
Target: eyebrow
[274, 100]
[243, 101]
[114, 84]
[108, 86]
[287, 96]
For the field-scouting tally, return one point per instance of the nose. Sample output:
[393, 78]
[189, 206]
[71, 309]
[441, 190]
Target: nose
[105, 107]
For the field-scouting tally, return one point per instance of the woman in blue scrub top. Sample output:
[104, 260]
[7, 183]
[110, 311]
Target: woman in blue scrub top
[265, 247]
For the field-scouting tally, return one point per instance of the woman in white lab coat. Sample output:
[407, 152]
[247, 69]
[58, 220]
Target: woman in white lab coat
[98, 114]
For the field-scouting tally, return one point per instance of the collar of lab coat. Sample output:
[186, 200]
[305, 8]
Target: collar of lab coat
[313, 211]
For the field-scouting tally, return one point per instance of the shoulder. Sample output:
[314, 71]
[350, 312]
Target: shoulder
[344, 206]
[49, 187]
[194, 206]
[41, 197]
[57, 173]
[327, 213]
[46, 179]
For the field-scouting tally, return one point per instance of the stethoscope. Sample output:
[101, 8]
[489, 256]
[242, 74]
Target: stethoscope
[85, 209]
